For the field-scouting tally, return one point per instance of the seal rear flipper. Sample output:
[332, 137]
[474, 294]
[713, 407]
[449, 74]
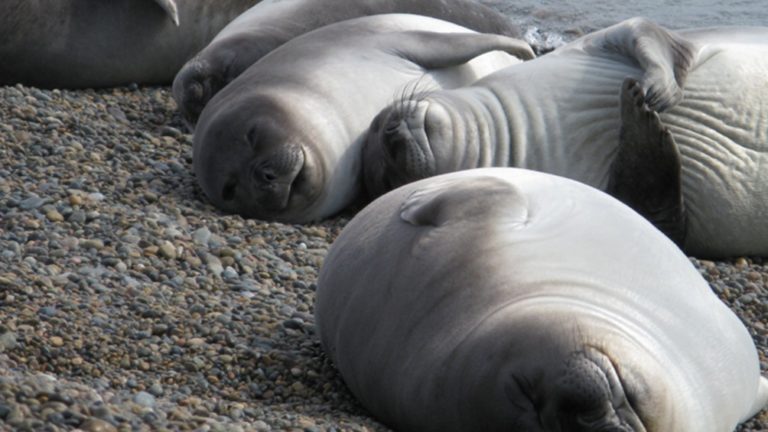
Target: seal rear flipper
[170, 8]
[646, 173]
[664, 56]
[433, 50]
[462, 199]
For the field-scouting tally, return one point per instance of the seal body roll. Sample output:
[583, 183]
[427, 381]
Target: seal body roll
[282, 141]
[563, 113]
[270, 24]
[505, 299]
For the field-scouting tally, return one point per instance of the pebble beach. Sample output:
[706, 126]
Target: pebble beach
[129, 303]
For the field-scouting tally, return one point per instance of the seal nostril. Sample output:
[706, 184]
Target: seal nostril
[265, 175]
[228, 193]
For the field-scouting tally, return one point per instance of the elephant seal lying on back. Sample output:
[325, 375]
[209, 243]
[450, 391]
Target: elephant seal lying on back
[272, 23]
[282, 141]
[502, 299]
[560, 114]
[101, 43]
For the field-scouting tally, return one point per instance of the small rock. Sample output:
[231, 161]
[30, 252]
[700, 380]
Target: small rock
[92, 244]
[54, 216]
[201, 236]
[156, 389]
[31, 203]
[56, 341]
[97, 425]
[260, 426]
[213, 264]
[144, 399]
[75, 200]
[77, 216]
[7, 341]
[229, 273]
[167, 250]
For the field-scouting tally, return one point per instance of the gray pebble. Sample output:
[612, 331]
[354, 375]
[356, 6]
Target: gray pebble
[145, 399]
[201, 236]
[32, 203]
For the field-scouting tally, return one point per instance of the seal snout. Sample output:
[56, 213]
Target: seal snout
[405, 143]
[590, 395]
[192, 90]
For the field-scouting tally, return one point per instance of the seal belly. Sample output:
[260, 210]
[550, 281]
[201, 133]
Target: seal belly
[721, 128]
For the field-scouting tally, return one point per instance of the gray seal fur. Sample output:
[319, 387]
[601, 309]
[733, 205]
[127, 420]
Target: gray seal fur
[98, 43]
[502, 299]
[270, 24]
[561, 114]
[282, 141]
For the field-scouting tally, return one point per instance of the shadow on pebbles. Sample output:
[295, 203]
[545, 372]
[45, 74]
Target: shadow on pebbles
[128, 303]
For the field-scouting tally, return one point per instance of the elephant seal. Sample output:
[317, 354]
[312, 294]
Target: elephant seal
[282, 141]
[97, 43]
[514, 300]
[268, 25]
[560, 114]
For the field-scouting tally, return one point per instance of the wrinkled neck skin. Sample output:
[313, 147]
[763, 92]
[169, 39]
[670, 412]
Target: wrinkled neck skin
[568, 115]
[467, 128]
[477, 127]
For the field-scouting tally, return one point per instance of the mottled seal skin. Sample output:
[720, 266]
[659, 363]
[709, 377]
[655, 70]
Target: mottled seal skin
[282, 141]
[98, 43]
[272, 23]
[502, 299]
[561, 114]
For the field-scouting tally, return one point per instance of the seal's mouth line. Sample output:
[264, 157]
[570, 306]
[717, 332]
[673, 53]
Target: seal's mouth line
[297, 181]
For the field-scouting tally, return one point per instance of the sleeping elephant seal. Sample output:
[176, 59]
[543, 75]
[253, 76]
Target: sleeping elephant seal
[270, 24]
[575, 112]
[99, 43]
[282, 141]
[501, 299]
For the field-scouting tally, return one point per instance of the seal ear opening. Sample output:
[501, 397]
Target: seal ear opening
[461, 199]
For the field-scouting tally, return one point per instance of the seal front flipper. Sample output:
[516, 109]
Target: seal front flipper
[456, 200]
[432, 50]
[664, 56]
[645, 174]
[169, 6]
